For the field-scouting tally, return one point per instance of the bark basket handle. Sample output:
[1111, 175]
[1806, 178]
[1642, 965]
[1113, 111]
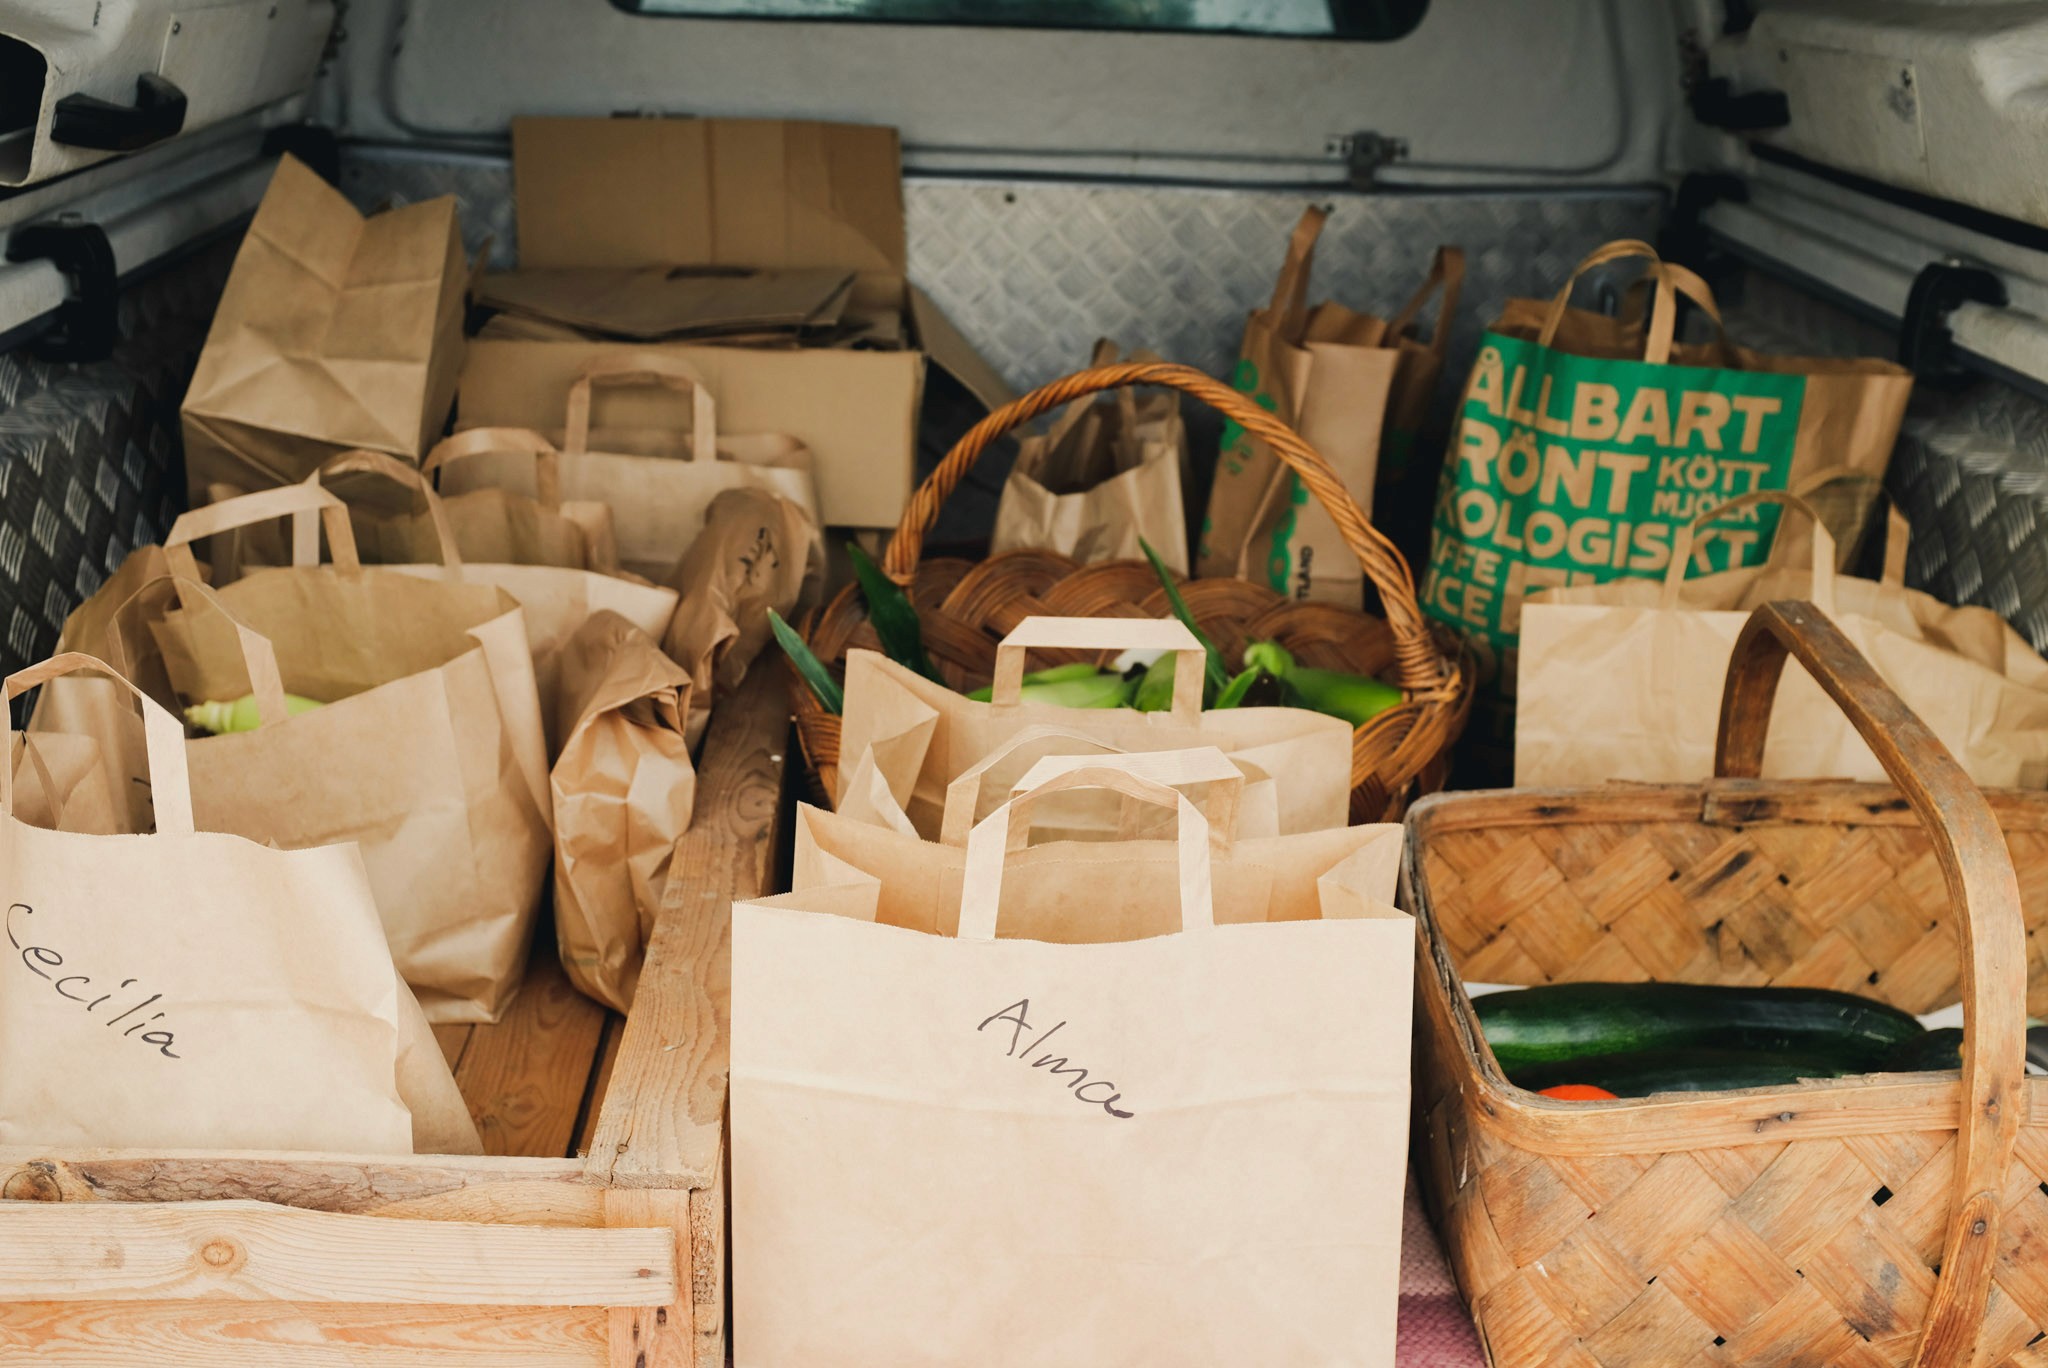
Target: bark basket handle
[1416, 661]
[1977, 868]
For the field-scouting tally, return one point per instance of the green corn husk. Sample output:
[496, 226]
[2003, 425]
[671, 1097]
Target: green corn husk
[1355, 698]
[241, 716]
[808, 665]
[893, 615]
[1215, 675]
[1239, 685]
[1070, 686]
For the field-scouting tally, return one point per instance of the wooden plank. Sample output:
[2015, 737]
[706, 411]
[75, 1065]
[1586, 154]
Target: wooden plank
[709, 1260]
[250, 1251]
[453, 1038]
[661, 1121]
[315, 1182]
[607, 1059]
[194, 1334]
[524, 1078]
[653, 1336]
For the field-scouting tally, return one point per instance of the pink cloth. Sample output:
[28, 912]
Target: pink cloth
[1433, 1330]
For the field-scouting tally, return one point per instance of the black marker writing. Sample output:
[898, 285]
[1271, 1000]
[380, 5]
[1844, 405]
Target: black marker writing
[1057, 1066]
[32, 956]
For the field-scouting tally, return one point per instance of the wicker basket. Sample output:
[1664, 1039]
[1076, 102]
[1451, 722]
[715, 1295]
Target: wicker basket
[1879, 1220]
[966, 608]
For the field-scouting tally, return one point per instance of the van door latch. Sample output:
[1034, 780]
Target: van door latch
[1364, 154]
[87, 324]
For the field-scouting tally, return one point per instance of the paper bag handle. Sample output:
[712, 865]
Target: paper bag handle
[1823, 546]
[496, 441]
[170, 785]
[1671, 281]
[1289, 307]
[1976, 867]
[1104, 634]
[641, 368]
[306, 548]
[1446, 272]
[246, 510]
[1174, 768]
[1007, 829]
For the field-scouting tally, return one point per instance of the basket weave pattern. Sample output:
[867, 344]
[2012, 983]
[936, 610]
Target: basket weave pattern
[965, 608]
[1768, 1251]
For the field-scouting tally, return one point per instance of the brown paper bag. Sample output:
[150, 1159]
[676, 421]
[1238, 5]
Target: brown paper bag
[658, 483]
[334, 331]
[1585, 442]
[1237, 797]
[1622, 680]
[623, 789]
[61, 783]
[429, 751]
[924, 736]
[1104, 476]
[237, 1037]
[1038, 1077]
[1407, 478]
[556, 600]
[1328, 372]
[757, 551]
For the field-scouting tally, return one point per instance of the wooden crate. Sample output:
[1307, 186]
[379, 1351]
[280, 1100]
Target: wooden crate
[529, 1255]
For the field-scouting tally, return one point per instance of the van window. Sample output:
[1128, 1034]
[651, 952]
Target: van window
[1372, 20]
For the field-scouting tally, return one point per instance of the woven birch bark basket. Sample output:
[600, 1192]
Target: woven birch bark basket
[966, 608]
[1884, 1219]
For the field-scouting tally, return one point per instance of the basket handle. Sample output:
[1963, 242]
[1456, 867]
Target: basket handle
[1977, 868]
[1415, 656]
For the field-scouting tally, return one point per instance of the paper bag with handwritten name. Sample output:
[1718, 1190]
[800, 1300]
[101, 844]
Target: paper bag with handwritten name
[146, 999]
[1618, 680]
[658, 483]
[757, 551]
[1037, 1076]
[924, 735]
[1105, 476]
[428, 749]
[623, 788]
[556, 599]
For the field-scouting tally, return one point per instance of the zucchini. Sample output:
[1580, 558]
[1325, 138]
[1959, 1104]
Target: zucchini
[1568, 1021]
[1642, 1072]
[1935, 1051]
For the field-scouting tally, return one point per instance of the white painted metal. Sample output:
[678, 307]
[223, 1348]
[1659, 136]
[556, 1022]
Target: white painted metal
[227, 57]
[1483, 91]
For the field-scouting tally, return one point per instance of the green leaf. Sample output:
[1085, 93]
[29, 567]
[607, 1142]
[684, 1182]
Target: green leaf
[893, 615]
[1234, 692]
[1215, 675]
[808, 665]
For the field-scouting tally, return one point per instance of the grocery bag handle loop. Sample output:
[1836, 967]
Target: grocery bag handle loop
[1006, 830]
[963, 795]
[1104, 634]
[1977, 869]
[1419, 666]
[1670, 281]
[1289, 307]
[170, 784]
[246, 510]
[1446, 271]
[644, 368]
[1174, 768]
[496, 441]
[306, 545]
[1823, 546]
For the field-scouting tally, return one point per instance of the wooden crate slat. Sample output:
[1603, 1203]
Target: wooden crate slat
[237, 1335]
[250, 1251]
[662, 1118]
[653, 1336]
[525, 1077]
[316, 1182]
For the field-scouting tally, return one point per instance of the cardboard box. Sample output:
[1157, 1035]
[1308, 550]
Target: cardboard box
[607, 194]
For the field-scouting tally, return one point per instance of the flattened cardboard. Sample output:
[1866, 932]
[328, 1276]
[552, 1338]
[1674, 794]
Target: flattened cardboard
[768, 194]
[724, 192]
[650, 303]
